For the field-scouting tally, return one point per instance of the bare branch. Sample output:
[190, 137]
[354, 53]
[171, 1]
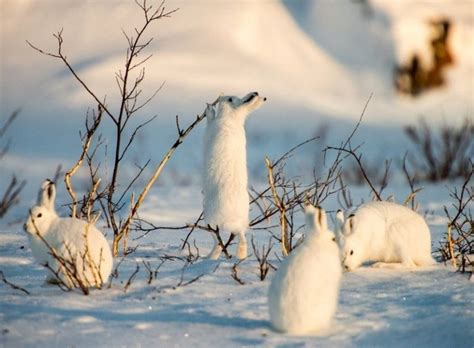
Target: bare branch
[11, 196]
[9, 121]
[59, 55]
[10, 284]
[131, 278]
[235, 272]
[262, 258]
[85, 148]
[359, 163]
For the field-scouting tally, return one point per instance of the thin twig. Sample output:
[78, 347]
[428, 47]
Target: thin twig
[13, 286]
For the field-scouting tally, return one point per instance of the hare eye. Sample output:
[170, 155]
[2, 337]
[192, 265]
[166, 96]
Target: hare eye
[39, 215]
[352, 252]
[230, 100]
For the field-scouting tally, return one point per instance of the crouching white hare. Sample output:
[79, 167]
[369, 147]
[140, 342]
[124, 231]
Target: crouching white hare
[303, 294]
[389, 233]
[73, 249]
[226, 199]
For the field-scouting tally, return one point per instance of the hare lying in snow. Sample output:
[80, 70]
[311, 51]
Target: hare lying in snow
[389, 233]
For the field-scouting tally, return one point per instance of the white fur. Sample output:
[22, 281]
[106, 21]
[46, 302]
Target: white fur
[72, 239]
[226, 200]
[389, 233]
[303, 294]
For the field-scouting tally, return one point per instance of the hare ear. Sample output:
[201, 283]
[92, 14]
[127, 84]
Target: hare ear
[339, 224]
[321, 219]
[47, 194]
[210, 113]
[218, 106]
[349, 225]
[310, 215]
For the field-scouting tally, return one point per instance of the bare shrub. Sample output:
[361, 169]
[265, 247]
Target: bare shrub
[457, 245]
[262, 258]
[152, 272]
[445, 154]
[11, 195]
[412, 182]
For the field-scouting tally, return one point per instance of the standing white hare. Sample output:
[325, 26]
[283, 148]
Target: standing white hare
[83, 249]
[226, 199]
[303, 294]
[389, 233]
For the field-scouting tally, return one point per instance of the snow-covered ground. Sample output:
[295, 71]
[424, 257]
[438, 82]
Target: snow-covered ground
[317, 62]
[424, 308]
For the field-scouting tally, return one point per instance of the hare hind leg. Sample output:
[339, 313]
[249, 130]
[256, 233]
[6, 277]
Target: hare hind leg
[241, 246]
[216, 250]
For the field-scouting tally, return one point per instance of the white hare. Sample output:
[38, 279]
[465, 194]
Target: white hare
[303, 294]
[226, 199]
[81, 246]
[388, 233]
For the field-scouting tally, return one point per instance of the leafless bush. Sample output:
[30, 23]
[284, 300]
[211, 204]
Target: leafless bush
[457, 245]
[262, 257]
[445, 155]
[411, 180]
[152, 272]
[11, 196]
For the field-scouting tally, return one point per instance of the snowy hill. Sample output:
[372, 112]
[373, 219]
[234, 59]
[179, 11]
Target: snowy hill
[311, 57]
[316, 62]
